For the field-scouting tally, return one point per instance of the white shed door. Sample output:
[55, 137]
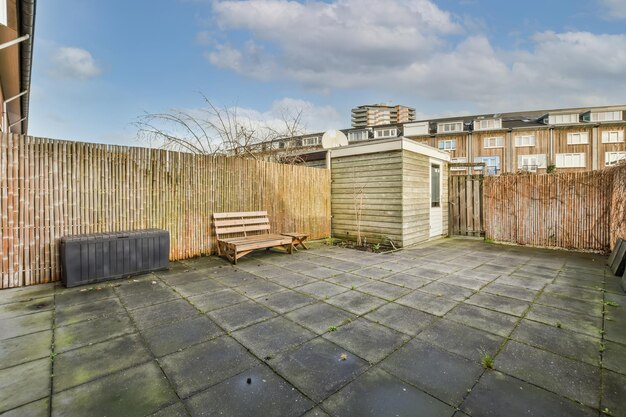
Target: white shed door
[436, 211]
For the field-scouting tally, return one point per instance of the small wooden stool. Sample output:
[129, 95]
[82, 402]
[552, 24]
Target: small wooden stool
[298, 239]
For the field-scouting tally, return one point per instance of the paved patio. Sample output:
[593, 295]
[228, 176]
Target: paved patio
[328, 331]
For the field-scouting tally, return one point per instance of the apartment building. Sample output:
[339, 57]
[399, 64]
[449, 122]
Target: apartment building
[17, 20]
[566, 140]
[381, 114]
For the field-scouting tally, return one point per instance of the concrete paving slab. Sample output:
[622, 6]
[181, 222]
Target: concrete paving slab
[427, 303]
[134, 392]
[497, 395]
[255, 392]
[368, 340]
[316, 412]
[26, 307]
[92, 331]
[144, 293]
[268, 338]
[575, 380]
[568, 320]
[320, 317]
[259, 288]
[319, 368]
[286, 301]
[349, 280]
[240, 315]
[25, 348]
[613, 393]
[378, 393]
[499, 303]
[216, 300]
[89, 311]
[384, 290]
[83, 295]
[571, 304]
[25, 383]
[511, 291]
[206, 285]
[483, 319]
[40, 408]
[444, 375]
[408, 281]
[90, 362]
[206, 364]
[451, 292]
[26, 293]
[163, 340]
[563, 342]
[175, 410]
[321, 290]
[356, 302]
[31, 323]
[292, 279]
[614, 357]
[163, 313]
[401, 318]
[462, 340]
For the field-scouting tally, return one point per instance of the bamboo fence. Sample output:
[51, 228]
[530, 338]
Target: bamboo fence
[51, 188]
[582, 211]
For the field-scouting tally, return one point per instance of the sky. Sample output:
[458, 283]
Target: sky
[99, 65]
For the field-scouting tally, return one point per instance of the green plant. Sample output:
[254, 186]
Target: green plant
[353, 287]
[487, 360]
[376, 247]
[602, 348]
[487, 240]
[606, 411]
[611, 304]
[332, 328]
[551, 168]
[558, 324]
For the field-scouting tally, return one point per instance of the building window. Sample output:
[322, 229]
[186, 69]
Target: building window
[386, 133]
[447, 145]
[525, 140]
[358, 135]
[606, 116]
[494, 142]
[570, 160]
[450, 127]
[435, 185]
[492, 164]
[612, 158]
[560, 119]
[487, 124]
[613, 137]
[580, 138]
[459, 160]
[531, 162]
[312, 141]
[3, 13]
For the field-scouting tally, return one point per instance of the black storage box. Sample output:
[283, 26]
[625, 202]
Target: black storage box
[86, 259]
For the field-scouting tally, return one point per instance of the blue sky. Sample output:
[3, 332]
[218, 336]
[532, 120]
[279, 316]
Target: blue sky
[98, 65]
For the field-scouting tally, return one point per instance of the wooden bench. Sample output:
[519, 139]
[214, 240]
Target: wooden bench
[240, 233]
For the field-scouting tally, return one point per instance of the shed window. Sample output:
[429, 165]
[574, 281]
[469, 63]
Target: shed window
[570, 160]
[447, 145]
[435, 185]
[525, 140]
[580, 138]
[450, 127]
[613, 137]
[494, 142]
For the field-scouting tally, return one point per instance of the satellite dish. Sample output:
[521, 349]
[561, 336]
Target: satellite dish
[334, 139]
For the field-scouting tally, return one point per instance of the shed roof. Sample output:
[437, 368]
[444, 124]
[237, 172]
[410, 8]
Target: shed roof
[387, 145]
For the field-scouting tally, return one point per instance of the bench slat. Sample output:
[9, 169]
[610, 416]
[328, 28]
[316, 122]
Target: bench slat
[239, 214]
[239, 222]
[241, 229]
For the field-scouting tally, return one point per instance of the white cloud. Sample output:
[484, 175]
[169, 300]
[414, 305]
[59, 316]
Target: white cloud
[616, 8]
[407, 47]
[73, 63]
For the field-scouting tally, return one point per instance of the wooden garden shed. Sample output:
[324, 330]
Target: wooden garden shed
[398, 188]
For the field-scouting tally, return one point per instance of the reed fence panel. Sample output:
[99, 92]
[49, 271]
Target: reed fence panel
[52, 188]
[582, 211]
